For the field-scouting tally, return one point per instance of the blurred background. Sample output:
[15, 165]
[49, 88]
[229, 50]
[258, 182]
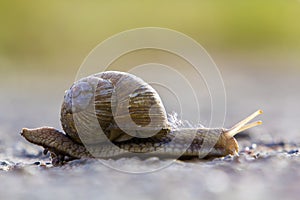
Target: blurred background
[255, 44]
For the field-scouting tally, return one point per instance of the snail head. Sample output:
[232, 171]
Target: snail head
[227, 142]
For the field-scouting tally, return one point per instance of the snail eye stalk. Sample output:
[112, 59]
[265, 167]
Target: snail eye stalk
[242, 125]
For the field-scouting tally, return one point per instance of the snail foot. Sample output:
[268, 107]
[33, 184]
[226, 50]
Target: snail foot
[58, 159]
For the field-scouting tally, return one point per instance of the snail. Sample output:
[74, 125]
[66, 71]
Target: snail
[126, 111]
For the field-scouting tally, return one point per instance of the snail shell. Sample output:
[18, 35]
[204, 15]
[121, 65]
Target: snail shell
[113, 103]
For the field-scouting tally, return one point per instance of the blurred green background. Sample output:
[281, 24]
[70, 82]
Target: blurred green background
[47, 35]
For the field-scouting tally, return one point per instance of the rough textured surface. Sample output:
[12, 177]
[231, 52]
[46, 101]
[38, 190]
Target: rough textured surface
[221, 178]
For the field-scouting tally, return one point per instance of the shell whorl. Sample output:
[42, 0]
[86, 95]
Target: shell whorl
[112, 103]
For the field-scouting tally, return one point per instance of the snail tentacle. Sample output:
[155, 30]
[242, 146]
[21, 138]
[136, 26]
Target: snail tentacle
[242, 125]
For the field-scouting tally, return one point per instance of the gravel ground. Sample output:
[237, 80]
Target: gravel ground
[260, 172]
[267, 168]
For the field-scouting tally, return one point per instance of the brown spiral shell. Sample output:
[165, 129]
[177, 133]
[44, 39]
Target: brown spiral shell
[113, 103]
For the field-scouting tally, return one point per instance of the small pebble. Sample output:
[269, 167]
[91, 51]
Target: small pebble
[294, 151]
[37, 163]
[247, 149]
[6, 165]
[253, 146]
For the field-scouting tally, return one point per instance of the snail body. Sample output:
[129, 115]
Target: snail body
[121, 108]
